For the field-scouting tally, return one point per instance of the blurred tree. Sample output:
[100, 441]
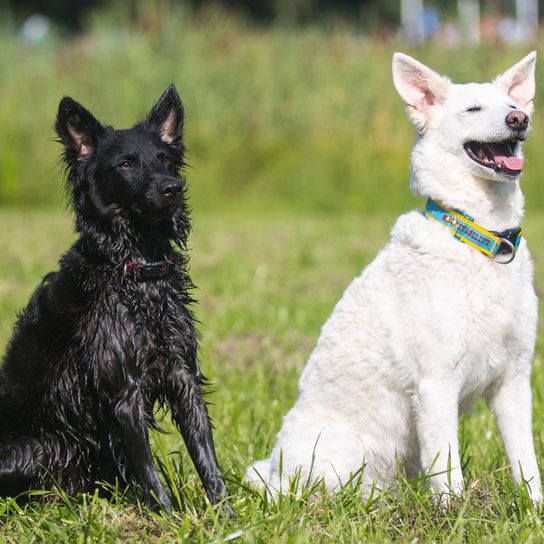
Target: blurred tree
[68, 13]
[371, 14]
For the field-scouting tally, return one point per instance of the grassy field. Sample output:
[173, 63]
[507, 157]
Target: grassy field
[266, 285]
[299, 153]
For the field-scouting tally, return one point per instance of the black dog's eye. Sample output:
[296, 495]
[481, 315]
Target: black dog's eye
[126, 165]
[474, 108]
[166, 160]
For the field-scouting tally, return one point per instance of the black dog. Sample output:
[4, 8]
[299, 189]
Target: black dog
[110, 334]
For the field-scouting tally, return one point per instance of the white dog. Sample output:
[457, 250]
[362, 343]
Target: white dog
[443, 315]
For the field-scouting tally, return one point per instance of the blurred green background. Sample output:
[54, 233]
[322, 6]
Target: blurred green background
[283, 111]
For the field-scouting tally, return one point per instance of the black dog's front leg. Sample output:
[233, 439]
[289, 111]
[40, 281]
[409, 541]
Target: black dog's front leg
[134, 457]
[190, 415]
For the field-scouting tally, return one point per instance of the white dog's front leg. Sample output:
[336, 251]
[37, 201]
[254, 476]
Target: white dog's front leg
[437, 424]
[512, 405]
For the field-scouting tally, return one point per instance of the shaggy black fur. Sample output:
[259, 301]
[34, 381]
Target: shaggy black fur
[95, 349]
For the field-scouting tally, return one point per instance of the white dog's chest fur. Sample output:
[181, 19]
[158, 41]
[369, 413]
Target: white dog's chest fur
[428, 311]
[428, 305]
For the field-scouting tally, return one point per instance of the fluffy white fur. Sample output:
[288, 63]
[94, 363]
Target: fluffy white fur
[432, 323]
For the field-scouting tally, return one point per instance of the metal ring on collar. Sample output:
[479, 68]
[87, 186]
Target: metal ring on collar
[509, 256]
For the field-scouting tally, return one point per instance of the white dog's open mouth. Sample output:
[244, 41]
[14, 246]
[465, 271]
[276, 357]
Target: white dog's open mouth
[500, 156]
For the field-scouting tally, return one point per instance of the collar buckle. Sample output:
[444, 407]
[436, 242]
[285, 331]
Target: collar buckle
[508, 250]
[510, 239]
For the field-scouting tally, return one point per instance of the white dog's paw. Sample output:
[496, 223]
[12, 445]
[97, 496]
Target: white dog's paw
[445, 494]
[536, 495]
[258, 473]
[445, 499]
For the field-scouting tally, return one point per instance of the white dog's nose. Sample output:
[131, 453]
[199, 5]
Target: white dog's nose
[517, 120]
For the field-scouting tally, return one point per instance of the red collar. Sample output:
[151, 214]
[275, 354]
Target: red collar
[145, 271]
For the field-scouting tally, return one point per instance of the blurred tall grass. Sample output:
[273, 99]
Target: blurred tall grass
[276, 118]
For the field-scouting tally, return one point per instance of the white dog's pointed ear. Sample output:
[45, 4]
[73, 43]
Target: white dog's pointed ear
[519, 81]
[419, 86]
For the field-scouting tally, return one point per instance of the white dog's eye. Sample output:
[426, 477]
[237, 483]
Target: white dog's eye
[474, 108]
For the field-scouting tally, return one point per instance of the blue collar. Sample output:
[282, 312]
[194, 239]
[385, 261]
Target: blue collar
[499, 246]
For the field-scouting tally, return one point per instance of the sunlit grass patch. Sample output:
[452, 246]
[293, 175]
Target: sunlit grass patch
[266, 284]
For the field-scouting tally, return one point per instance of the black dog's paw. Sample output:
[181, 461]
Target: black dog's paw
[158, 504]
[226, 511]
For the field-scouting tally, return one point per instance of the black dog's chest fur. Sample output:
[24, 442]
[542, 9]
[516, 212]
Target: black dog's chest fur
[124, 333]
[142, 322]
[91, 338]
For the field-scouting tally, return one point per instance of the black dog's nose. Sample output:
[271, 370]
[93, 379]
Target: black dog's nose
[517, 120]
[171, 188]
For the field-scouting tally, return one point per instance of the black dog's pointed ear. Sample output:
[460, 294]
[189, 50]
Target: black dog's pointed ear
[166, 118]
[77, 128]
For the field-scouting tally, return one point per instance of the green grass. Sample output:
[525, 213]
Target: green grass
[266, 285]
[299, 153]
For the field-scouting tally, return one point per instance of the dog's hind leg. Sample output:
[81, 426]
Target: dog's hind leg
[21, 466]
[132, 450]
[190, 415]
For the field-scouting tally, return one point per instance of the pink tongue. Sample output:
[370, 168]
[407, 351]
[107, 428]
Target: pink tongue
[512, 163]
